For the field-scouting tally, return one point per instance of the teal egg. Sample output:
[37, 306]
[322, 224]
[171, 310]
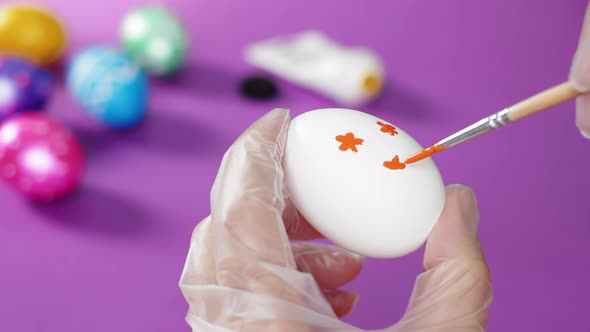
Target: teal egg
[154, 38]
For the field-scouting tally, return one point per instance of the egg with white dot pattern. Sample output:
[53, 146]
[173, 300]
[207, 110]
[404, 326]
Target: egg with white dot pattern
[39, 157]
[109, 85]
[23, 86]
[155, 38]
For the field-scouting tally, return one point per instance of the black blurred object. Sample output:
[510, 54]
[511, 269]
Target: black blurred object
[258, 87]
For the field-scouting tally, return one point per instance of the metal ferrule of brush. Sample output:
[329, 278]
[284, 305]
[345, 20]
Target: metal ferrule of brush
[483, 126]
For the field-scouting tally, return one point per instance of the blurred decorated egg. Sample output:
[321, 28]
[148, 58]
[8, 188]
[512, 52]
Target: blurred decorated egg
[39, 157]
[31, 32]
[155, 38]
[23, 87]
[109, 85]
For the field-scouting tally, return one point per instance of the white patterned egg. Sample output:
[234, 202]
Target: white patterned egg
[344, 172]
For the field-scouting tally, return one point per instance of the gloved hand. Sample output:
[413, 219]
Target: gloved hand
[243, 274]
[580, 77]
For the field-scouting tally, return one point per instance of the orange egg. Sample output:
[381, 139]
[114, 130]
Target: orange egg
[31, 32]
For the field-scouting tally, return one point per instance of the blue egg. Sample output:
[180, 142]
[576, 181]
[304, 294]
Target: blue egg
[109, 85]
[24, 87]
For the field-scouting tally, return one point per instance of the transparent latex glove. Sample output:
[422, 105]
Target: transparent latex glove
[243, 274]
[580, 77]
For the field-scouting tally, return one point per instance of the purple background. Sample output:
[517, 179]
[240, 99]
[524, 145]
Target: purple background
[110, 257]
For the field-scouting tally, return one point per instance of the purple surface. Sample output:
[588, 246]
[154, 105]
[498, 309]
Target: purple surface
[109, 258]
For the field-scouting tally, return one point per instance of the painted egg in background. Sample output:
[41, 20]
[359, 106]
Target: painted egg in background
[39, 157]
[31, 32]
[155, 38]
[344, 172]
[109, 85]
[23, 87]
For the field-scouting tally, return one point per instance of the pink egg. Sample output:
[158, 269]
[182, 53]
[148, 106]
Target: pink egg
[39, 157]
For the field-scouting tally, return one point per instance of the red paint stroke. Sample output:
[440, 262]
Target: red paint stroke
[387, 128]
[394, 163]
[349, 142]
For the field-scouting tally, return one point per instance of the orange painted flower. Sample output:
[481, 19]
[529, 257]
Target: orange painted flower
[387, 128]
[349, 142]
[394, 164]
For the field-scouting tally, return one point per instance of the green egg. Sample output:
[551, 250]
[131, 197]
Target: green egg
[155, 38]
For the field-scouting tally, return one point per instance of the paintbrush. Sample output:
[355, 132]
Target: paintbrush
[552, 97]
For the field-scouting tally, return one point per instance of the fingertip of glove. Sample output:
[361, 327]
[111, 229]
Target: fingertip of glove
[272, 123]
[467, 203]
[583, 115]
[278, 114]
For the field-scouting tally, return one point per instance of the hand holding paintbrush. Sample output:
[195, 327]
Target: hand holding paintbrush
[535, 104]
[577, 87]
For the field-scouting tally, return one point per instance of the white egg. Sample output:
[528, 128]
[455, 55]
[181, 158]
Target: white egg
[341, 175]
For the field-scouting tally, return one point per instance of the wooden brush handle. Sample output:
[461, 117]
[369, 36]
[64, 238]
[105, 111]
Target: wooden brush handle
[552, 97]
